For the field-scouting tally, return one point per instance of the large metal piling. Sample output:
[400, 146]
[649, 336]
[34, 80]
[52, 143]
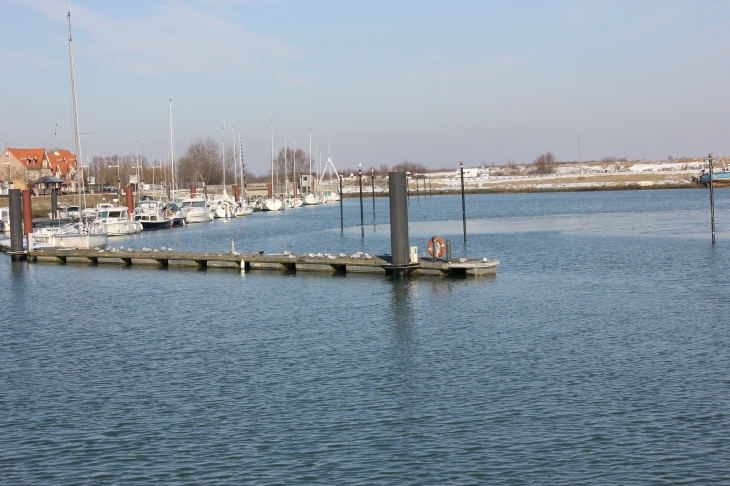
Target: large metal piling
[16, 224]
[54, 203]
[130, 201]
[398, 188]
[362, 220]
[28, 218]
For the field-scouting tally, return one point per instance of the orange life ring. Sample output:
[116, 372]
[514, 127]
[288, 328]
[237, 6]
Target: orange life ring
[439, 244]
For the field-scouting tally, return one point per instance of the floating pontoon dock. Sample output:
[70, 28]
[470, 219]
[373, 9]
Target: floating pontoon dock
[258, 261]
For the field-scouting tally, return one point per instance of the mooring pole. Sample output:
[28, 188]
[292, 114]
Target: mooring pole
[27, 218]
[372, 181]
[16, 223]
[398, 190]
[54, 203]
[712, 202]
[342, 218]
[408, 189]
[418, 194]
[130, 202]
[362, 221]
[463, 200]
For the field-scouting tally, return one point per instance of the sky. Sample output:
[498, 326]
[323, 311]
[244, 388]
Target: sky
[430, 82]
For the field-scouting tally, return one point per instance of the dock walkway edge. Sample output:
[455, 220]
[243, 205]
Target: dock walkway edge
[258, 261]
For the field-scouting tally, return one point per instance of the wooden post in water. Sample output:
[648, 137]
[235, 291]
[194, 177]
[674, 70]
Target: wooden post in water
[712, 202]
[362, 223]
[418, 195]
[463, 200]
[372, 181]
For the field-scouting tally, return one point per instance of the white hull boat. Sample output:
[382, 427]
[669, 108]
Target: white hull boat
[196, 210]
[244, 209]
[272, 204]
[114, 221]
[78, 236]
[311, 200]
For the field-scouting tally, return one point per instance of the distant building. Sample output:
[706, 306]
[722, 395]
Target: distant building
[21, 167]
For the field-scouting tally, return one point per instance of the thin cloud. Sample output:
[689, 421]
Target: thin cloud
[176, 39]
[645, 27]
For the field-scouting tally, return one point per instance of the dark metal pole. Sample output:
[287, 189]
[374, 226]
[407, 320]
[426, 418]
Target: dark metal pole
[463, 200]
[54, 203]
[398, 190]
[362, 221]
[418, 194]
[712, 202]
[342, 196]
[372, 181]
[16, 223]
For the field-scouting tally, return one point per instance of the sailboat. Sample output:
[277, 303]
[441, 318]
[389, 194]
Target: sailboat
[243, 207]
[84, 234]
[329, 194]
[224, 207]
[272, 203]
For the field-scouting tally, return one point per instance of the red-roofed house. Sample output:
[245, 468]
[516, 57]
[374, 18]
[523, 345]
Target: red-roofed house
[63, 164]
[23, 166]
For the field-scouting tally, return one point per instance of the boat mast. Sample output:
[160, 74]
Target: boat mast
[243, 168]
[272, 155]
[235, 159]
[294, 163]
[286, 174]
[224, 156]
[172, 153]
[77, 132]
[310, 159]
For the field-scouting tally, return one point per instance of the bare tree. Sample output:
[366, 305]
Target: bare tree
[408, 166]
[545, 163]
[201, 162]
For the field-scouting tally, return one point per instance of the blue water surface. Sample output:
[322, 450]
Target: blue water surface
[600, 353]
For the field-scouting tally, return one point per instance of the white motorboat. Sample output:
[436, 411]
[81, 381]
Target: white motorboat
[114, 221]
[152, 215]
[5, 218]
[330, 196]
[90, 213]
[61, 213]
[293, 202]
[80, 236]
[272, 204]
[223, 206]
[196, 210]
[312, 200]
[243, 208]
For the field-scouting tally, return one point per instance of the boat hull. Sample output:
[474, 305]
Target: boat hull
[156, 225]
[199, 217]
[121, 228]
[81, 242]
[272, 205]
[719, 179]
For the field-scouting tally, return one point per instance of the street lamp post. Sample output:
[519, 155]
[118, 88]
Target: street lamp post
[119, 180]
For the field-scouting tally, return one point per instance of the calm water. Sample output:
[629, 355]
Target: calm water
[600, 353]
